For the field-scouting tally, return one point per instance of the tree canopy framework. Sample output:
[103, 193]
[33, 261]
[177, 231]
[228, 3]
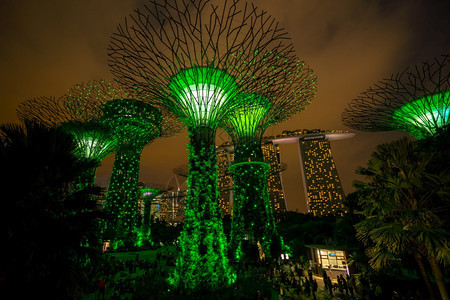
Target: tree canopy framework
[196, 56]
[416, 100]
[81, 120]
[169, 36]
[135, 123]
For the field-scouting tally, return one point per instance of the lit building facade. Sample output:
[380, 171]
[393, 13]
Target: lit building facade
[224, 158]
[271, 154]
[323, 189]
[170, 207]
[332, 260]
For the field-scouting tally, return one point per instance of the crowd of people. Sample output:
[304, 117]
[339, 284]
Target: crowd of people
[122, 278]
[293, 280]
[118, 278]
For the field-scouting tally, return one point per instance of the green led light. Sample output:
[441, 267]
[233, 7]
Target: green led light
[197, 76]
[105, 117]
[252, 212]
[94, 141]
[122, 200]
[203, 260]
[261, 165]
[202, 93]
[247, 114]
[421, 117]
[417, 101]
[135, 124]
[201, 97]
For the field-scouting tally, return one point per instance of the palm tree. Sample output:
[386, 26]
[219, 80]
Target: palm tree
[44, 226]
[402, 200]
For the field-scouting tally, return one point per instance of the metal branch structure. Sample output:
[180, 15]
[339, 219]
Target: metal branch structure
[93, 139]
[50, 111]
[134, 123]
[246, 123]
[416, 100]
[196, 56]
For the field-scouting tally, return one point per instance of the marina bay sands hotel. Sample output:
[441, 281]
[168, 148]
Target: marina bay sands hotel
[321, 183]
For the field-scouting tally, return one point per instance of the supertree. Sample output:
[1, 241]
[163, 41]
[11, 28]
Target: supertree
[149, 192]
[246, 124]
[195, 56]
[416, 100]
[93, 139]
[135, 123]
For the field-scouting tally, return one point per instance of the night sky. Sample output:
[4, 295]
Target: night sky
[47, 46]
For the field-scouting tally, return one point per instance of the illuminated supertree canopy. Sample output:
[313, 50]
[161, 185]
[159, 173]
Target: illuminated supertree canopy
[196, 56]
[246, 124]
[135, 123]
[250, 192]
[416, 100]
[93, 139]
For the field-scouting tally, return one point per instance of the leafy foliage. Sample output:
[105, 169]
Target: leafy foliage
[47, 229]
[403, 202]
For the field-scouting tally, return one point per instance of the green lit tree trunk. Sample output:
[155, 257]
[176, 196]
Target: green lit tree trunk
[144, 238]
[252, 211]
[202, 262]
[146, 218]
[122, 199]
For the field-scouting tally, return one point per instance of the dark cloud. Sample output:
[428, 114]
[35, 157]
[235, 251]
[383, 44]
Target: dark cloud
[49, 45]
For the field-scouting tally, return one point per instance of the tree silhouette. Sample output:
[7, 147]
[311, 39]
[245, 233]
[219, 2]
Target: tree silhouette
[46, 225]
[401, 203]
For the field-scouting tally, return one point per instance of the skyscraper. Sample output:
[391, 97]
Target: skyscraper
[322, 185]
[271, 154]
[225, 156]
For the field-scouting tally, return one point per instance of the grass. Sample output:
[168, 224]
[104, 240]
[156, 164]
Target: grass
[144, 255]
